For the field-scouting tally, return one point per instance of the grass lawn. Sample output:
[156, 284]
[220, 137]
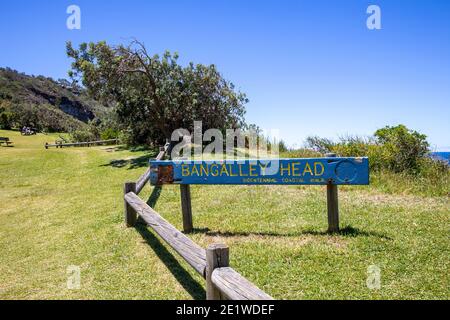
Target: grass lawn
[62, 207]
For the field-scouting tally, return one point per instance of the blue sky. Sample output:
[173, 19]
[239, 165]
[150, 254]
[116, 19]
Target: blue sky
[308, 67]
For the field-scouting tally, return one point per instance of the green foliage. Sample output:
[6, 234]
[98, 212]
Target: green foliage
[98, 129]
[300, 153]
[402, 149]
[282, 146]
[397, 157]
[82, 136]
[398, 148]
[43, 103]
[155, 95]
[109, 133]
[43, 118]
[126, 137]
[320, 145]
[6, 118]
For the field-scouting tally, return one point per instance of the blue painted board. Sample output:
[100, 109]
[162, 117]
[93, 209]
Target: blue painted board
[307, 171]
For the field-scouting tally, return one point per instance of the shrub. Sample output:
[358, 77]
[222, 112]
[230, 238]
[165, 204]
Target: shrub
[6, 119]
[403, 149]
[109, 133]
[397, 148]
[82, 136]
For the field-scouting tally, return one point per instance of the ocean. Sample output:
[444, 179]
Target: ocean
[441, 156]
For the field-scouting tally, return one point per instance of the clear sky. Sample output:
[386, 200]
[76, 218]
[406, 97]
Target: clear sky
[308, 67]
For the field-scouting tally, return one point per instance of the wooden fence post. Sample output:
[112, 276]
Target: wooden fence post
[217, 256]
[130, 215]
[332, 203]
[186, 207]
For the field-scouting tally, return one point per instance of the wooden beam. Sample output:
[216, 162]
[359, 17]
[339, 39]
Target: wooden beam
[142, 181]
[217, 256]
[80, 144]
[192, 253]
[186, 208]
[332, 203]
[129, 213]
[236, 287]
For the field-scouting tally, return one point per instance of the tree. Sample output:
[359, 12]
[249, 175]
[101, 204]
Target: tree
[322, 145]
[403, 149]
[6, 118]
[155, 95]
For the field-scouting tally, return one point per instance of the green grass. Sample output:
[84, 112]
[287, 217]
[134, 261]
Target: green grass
[62, 207]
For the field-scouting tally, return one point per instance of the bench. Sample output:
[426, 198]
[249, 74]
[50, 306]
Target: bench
[5, 140]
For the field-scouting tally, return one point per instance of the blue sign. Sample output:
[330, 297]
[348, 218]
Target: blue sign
[307, 171]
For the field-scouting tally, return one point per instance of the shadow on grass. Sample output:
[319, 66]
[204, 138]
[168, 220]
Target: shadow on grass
[183, 277]
[123, 147]
[133, 163]
[153, 199]
[347, 231]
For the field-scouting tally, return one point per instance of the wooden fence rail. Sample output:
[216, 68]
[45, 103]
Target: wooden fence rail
[194, 255]
[222, 282]
[81, 144]
[236, 287]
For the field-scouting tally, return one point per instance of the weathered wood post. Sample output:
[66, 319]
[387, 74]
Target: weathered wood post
[130, 215]
[186, 208]
[185, 193]
[332, 203]
[217, 256]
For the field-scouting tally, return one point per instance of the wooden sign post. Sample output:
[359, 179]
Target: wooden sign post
[332, 203]
[330, 171]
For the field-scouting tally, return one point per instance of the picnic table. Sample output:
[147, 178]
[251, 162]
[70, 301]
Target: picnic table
[5, 140]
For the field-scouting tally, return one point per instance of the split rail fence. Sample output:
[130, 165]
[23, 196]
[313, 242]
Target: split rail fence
[81, 144]
[212, 263]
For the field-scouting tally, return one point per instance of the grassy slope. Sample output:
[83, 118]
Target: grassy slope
[61, 207]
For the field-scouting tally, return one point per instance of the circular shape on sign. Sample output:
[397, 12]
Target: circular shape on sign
[346, 171]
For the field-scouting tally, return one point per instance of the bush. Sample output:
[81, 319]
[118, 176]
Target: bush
[109, 133]
[398, 159]
[82, 136]
[397, 149]
[403, 149]
[6, 120]
[43, 117]
[126, 137]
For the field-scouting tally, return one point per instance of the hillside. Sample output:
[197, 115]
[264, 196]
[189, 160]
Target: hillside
[63, 207]
[44, 103]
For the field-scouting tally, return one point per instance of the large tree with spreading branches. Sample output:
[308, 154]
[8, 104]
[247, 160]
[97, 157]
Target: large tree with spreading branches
[155, 95]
